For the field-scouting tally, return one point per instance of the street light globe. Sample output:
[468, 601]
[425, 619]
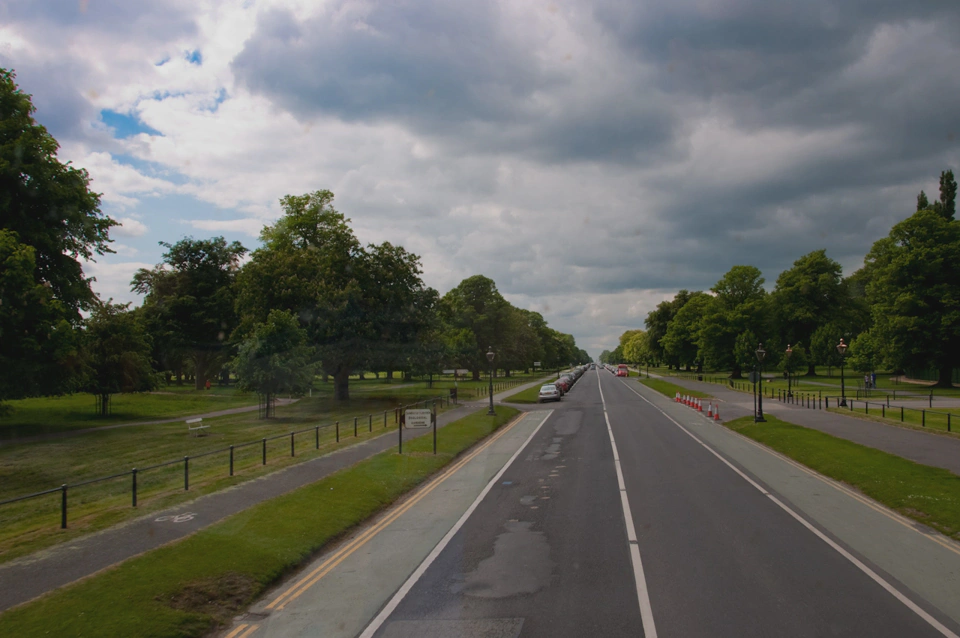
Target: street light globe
[841, 347]
[761, 353]
[490, 354]
[789, 350]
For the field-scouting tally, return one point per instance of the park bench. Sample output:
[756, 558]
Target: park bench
[196, 426]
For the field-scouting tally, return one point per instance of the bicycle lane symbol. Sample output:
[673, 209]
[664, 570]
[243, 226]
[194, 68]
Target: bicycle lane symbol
[176, 518]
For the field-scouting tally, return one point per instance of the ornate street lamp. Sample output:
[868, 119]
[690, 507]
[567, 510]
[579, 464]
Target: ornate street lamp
[761, 353]
[490, 356]
[842, 349]
[787, 366]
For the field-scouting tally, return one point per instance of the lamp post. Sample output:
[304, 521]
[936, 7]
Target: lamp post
[490, 356]
[761, 353]
[842, 349]
[787, 366]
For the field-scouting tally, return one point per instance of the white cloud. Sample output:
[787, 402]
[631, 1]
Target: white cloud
[113, 279]
[129, 227]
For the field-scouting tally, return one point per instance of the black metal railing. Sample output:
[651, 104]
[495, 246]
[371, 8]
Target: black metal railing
[135, 475]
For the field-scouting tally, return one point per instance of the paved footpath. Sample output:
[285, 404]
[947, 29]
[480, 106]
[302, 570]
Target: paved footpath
[28, 577]
[929, 449]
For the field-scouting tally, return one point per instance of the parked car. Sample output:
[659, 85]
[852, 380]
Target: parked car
[549, 392]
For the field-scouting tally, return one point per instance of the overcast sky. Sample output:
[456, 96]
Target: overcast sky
[592, 157]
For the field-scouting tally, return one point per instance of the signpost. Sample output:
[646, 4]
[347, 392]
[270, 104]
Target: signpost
[418, 419]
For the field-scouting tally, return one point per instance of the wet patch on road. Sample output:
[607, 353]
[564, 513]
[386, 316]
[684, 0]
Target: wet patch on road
[520, 565]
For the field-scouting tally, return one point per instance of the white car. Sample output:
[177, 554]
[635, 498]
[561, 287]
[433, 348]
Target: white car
[549, 393]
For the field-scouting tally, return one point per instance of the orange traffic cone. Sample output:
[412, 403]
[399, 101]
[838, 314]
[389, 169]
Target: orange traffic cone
[716, 414]
[709, 410]
[699, 405]
[677, 398]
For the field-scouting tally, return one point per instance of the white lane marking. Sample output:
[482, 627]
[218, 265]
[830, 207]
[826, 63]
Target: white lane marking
[933, 622]
[432, 556]
[643, 594]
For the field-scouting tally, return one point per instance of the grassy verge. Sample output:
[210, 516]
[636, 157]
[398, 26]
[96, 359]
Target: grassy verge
[32, 467]
[913, 418]
[926, 494]
[530, 395]
[191, 587]
[668, 389]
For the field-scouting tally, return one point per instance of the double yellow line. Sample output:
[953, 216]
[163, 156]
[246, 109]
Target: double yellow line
[305, 583]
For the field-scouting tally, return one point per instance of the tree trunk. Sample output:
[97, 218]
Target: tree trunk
[811, 370]
[945, 377]
[390, 375]
[736, 373]
[361, 376]
[476, 375]
[506, 374]
[341, 385]
[430, 381]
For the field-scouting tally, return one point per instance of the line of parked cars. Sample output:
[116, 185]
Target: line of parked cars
[555, 391]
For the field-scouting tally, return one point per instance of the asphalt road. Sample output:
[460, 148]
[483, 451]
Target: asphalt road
[685, 544]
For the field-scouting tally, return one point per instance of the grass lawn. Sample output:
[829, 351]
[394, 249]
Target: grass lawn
[926, 494]
[32, 467]
[668, 389]
[914, 418]
[195, 585]
[48, 415]
[530, 395]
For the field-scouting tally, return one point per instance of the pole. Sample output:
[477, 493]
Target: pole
[491, 411]
[843, 390]
[186, 473]
[760, 418]
[231, 460]
[63, 506]
[134, 473]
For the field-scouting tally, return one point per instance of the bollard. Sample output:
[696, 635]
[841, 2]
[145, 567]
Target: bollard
[292, 453]
[63, 506]
[134, 489]
[264, 451]
[317, 432]
[901, 414]
[923, 418]
[370, 423]
[384, 419]
[338, 431]
[883, 411]
[231, 460]
[948, 422]
[354, 426]
[186, 473]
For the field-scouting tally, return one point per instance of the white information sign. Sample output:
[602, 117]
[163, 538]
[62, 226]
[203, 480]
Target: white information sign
[418, 418]
[536, 364]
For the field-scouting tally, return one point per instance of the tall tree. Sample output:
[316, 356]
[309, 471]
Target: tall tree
[947, 206]
[808, 295]
[915, 293]
[47, 203]
[476, 306]
[275, 359]
[739, 306]
[658, 321]
[681, 343]
[353, 301]
[38, 344]
[192, 294]
[116, 355]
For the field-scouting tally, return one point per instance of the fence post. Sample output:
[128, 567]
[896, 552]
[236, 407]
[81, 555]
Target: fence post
[133, 472]
[264, 451]
[317, 432]
[384, 419]
[866, 407]
[923, 418]
[901, 414]
[948, 422]
[338, 431]
[231, 460]
[888, 400]
[186, 473]
[370, 423]
[883, 410]
[63, 506]
[354, 426]
[931, 398]
[291, 445]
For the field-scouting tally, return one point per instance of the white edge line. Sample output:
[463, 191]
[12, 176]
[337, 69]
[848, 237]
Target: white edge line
[643, 594]
[896, 593]
[432, 556]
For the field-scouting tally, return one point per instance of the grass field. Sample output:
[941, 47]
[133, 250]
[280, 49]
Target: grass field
[668, 389]
[926, 494]
[31, 467]
[927, 420]
[530, 395]
[192, 586]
